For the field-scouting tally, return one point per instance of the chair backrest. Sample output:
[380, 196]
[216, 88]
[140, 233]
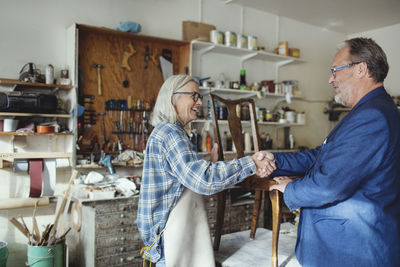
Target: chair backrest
[235, 124]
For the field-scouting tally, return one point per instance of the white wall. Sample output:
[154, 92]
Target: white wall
[388, 38]
[35, 31]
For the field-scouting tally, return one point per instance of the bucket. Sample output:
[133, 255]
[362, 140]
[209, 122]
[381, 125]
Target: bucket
[3, 253]
[41, 256]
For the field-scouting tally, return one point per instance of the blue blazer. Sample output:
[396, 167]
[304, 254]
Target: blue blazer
[350, 193]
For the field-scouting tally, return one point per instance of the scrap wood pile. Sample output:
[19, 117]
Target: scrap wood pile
[49, 236]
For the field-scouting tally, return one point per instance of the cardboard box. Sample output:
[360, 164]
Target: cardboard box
[294, 52]
[196, 30]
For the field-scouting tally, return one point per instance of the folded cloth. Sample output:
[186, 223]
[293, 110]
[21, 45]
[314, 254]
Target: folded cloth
[129, 26]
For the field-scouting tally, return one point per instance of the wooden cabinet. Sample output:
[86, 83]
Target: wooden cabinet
[108, 236]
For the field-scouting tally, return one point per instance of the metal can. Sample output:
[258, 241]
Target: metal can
[217, 37]
[230, 38]
[49, 74]
[252, 42]
[241, 41]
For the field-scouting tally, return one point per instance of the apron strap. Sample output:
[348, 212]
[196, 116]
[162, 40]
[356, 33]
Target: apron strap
[145, 249]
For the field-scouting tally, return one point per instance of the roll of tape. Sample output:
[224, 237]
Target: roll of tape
[20, 165]
[62, 163]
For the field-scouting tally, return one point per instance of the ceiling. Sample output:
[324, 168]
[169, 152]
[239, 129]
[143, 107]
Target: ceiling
[344, 16]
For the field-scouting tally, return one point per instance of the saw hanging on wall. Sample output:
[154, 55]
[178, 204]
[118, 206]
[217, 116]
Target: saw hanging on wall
[126, 55]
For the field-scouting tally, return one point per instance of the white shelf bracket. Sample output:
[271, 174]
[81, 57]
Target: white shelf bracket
[247, 57]
[284, 62]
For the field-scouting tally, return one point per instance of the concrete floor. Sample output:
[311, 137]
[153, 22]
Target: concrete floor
[238, 250]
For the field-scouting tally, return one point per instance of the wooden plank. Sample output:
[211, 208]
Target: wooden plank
[19, 114]
[5, 81]
[34, 155]
[147, 38]
[32, 134]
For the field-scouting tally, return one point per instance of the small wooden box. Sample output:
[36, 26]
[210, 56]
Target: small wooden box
[196, 30]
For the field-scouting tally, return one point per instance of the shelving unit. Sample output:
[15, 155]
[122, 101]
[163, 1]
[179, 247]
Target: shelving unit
[55, 145]
[200, 49]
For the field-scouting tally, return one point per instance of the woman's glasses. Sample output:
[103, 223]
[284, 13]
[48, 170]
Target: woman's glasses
[194, 95]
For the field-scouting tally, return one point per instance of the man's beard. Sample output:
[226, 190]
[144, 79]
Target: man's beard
[339, 100]
[343, 97]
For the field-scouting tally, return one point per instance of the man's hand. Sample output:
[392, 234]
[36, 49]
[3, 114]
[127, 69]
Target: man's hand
[281, 183]
[265, 163]
[214, 153]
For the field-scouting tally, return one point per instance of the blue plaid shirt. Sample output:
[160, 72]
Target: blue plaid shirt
[171, 164]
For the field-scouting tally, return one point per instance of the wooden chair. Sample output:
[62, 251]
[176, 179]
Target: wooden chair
[253, 183]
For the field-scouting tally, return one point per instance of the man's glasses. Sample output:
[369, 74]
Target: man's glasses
[333, 70]
[194, 95]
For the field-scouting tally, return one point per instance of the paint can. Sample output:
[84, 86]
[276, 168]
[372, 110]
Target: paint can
[217, 37]
[230, 38]
[3, 254]
[241, 41]
[252, 42]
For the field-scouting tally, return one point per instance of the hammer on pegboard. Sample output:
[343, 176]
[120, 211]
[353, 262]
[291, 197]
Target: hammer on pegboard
[98, 67]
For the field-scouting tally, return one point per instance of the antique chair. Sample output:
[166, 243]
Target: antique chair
[252, 183]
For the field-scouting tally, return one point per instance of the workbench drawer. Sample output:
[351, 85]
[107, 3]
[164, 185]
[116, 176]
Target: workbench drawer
[119, 240]
[123, 259]
[131, 247]
[126, 205]
[115, 220]
[117, 230]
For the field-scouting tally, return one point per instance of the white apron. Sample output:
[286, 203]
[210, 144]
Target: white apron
[187, 239]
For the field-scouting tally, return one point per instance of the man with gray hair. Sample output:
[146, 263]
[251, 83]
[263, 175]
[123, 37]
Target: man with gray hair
[349, 193]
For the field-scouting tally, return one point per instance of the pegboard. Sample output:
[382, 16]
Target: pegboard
[130, 71]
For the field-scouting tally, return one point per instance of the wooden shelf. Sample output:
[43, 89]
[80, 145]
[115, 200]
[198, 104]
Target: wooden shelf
[11, 82]
[248, 122]
[7, 158]
[34, 155]
[18, 114]
[34, 134]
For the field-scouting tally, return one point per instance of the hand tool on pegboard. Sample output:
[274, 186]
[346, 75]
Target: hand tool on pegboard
[98, 67]
[146, 57]
[125, 57]
[103, 131]
[155, 58]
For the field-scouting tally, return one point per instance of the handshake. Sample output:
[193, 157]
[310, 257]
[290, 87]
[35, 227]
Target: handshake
[265, 163]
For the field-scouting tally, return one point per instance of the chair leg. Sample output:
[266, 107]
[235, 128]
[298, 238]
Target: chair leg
[220, 218]
[256, 210]
[274, 195]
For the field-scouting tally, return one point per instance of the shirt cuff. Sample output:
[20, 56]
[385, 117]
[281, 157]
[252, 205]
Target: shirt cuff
[288, 196]
[248, 167]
